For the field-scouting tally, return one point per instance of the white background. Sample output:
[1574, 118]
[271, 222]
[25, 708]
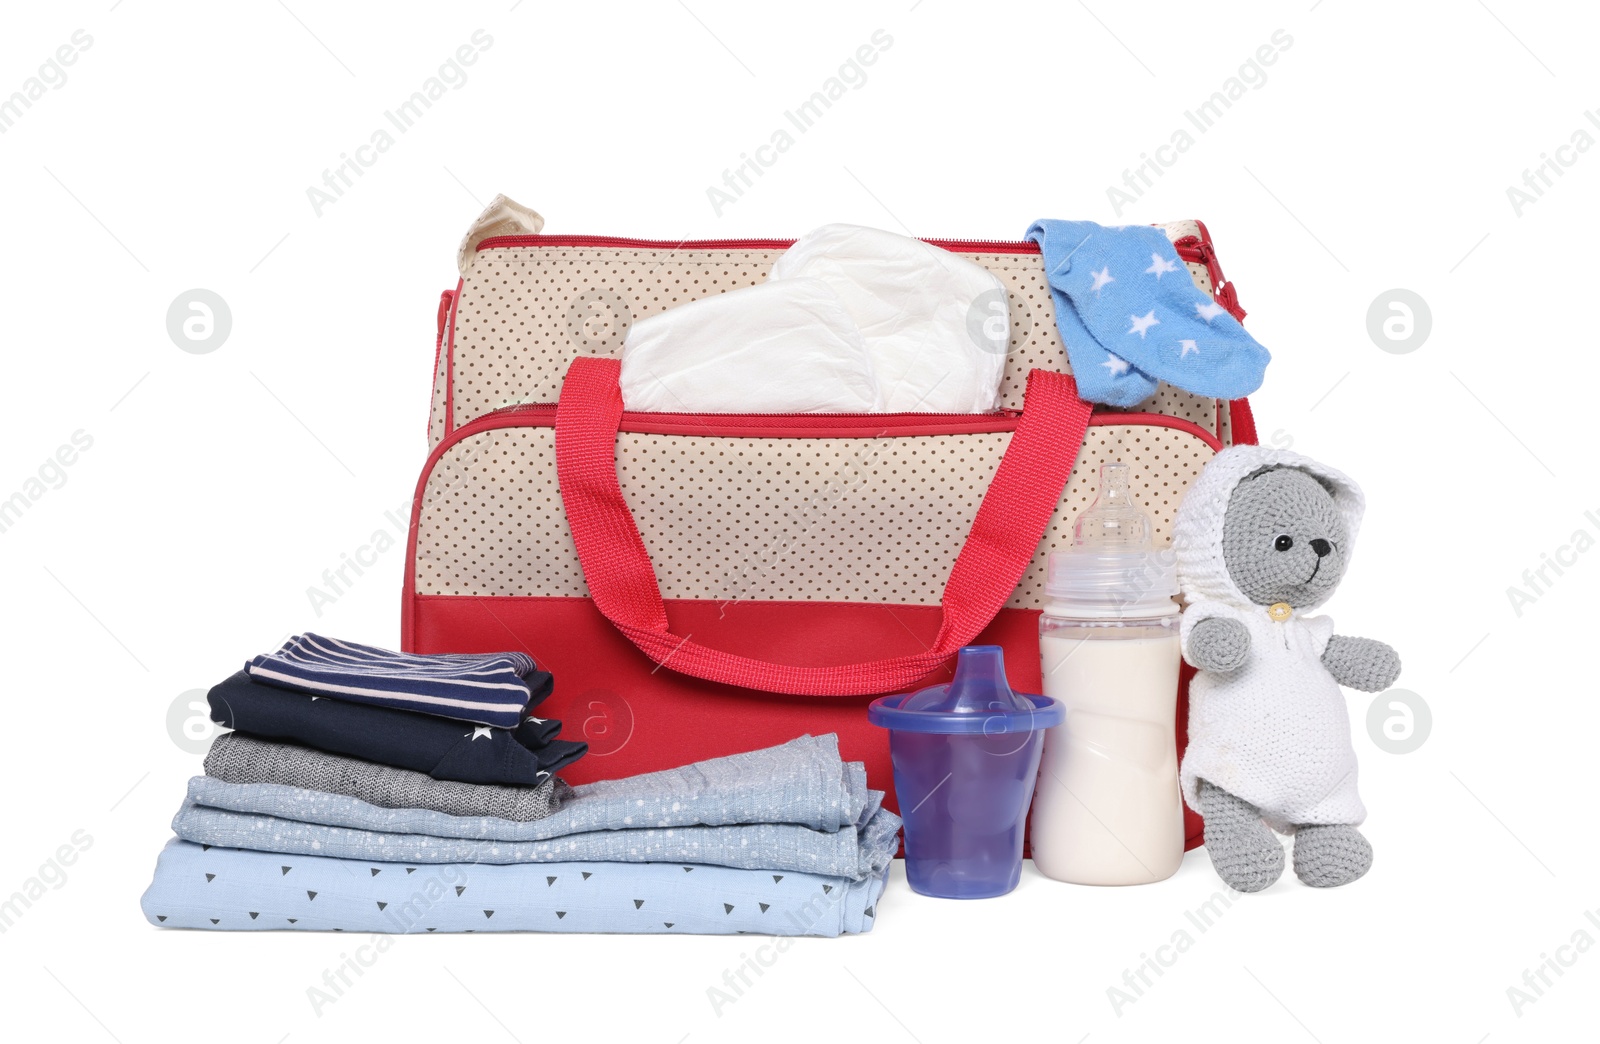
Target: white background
[1376, 155]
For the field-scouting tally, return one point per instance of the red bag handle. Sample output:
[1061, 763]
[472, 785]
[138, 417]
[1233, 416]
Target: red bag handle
[1010, 522]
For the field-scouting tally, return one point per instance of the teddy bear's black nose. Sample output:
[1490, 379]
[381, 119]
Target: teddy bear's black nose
[1321, 547]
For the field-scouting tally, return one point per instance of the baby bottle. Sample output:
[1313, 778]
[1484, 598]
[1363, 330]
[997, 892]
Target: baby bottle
[1107, 809]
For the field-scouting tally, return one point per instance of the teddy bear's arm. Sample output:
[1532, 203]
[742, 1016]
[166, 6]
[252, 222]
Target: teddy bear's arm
[1361, 663]
[1218, 643]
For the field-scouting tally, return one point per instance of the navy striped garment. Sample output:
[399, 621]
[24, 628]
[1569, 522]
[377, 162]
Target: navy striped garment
[487, 688]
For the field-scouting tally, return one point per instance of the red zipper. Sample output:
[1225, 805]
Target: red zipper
[801, 425]
[1189, 248]
[813, 425]
[497, 242]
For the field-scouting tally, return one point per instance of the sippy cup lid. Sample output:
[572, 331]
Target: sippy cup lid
[977, 700]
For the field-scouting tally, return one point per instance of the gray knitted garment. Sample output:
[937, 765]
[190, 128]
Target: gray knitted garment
[237, 758]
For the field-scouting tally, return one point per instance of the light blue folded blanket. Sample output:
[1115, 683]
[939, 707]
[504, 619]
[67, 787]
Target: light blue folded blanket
[226, 889]
[796, 806]
[272, 818]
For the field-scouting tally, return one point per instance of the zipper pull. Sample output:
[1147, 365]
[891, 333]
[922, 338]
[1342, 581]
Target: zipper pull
[1199, 248]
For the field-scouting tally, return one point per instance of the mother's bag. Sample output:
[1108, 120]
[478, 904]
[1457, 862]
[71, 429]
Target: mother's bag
[704, 584]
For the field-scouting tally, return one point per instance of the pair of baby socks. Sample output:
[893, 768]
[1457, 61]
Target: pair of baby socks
[1130, 316]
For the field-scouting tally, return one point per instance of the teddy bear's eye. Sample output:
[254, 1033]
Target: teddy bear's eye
[1283, 543]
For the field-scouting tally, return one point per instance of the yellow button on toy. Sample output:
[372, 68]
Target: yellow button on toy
[1280, 611]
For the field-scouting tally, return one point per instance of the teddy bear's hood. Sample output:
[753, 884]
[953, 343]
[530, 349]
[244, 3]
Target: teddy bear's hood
[1197, 531]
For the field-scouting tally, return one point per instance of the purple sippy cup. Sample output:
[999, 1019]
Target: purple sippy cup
[966, 755]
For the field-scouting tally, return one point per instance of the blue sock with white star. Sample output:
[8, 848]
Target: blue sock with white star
[1130, 316]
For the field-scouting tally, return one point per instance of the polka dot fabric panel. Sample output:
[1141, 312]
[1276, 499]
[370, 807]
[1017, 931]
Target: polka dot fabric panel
[441, 376]
[831, 519]
[526, 311]
[491, 520]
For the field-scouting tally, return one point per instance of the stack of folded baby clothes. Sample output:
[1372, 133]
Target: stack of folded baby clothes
[310, 819]
[466, 718]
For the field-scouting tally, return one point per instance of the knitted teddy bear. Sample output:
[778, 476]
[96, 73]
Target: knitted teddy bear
[1262, 538]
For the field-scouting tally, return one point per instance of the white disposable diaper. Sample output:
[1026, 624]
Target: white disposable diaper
[851, 320]
[786, 347]
[921, 311]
